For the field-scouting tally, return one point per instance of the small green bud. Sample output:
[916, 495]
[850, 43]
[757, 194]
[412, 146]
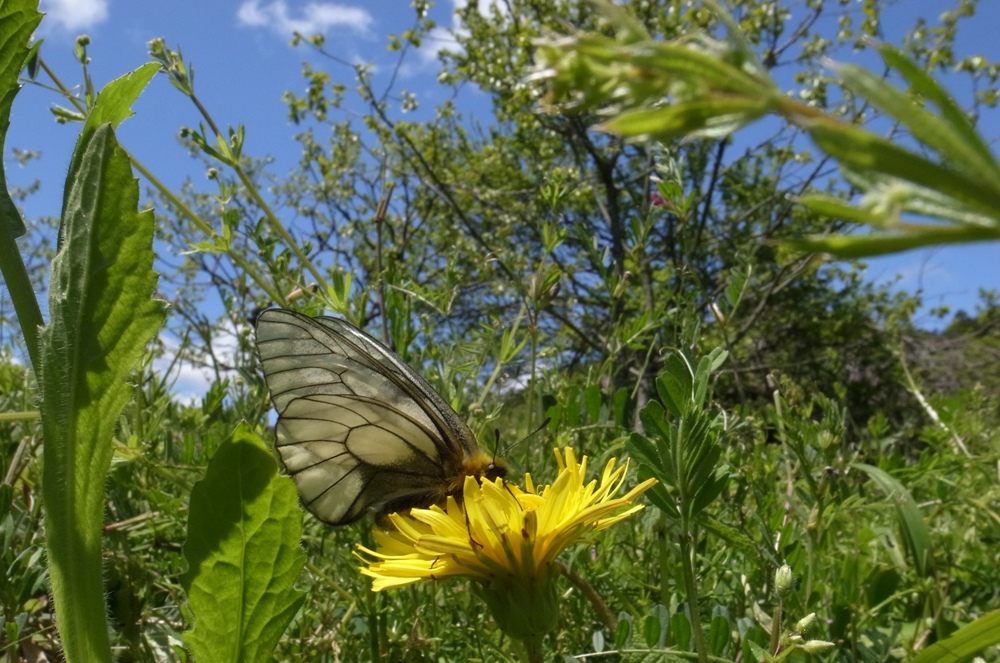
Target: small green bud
[783, 578]
[816, 646]
[803, 624]
[156, 47]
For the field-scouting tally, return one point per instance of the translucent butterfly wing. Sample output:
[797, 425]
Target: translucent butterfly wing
[357, 429]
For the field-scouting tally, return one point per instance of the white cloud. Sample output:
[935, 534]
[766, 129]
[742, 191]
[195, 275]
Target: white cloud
[313, 18]
[437, 40]
[74, 14]
[191, 380]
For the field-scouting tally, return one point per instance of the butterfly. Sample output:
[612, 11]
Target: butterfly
[358, 430]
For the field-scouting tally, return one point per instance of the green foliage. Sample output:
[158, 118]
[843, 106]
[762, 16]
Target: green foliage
[911, 523]
[243, 554]
[101, 316]
[684, 457]
[832, 482]
[715, 88]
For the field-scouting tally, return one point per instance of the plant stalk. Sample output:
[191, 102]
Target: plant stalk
[691, 587]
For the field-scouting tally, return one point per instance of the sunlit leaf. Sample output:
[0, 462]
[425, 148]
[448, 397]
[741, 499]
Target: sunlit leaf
[964, 643]
[911, 522]
[18, 21]
[102, 316]
[243, 554]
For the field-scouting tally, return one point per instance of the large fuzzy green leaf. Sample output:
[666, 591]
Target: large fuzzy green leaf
[102, 315]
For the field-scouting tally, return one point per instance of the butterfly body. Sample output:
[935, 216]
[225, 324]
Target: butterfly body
[358, 430]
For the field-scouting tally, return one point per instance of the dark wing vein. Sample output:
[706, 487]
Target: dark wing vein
[357, 428]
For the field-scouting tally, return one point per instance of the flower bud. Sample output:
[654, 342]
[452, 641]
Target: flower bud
[803, 624]
[783, 578]
[816, 646]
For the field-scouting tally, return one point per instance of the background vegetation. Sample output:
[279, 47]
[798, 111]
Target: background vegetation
[533, 267]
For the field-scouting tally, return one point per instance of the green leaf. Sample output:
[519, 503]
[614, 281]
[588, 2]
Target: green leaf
[739, 279]
[32, 61]
[710, 117]
[863, 151]
[911, 522]
[654, 420]
[623, 633]
[642, 450]
[930, 129]
[839, 209]
[674, 386]
[243, 554]
[719, 638]
[680, 631]
[647, 456]
[969, 147]
[114, 103]
[735, 537]
[18, 20]
[651, 629]
[620, 406]
[757, 651]
[701, 62]
[592, 399]
[662, 615]
[882, 244]
[711, 487]
[659, 496]
[571, 406]
[65, 115]
[102, 315]
[703, 373]
[964, 643]
[752, 634]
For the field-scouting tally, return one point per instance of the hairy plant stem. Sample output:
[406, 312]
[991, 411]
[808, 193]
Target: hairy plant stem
[665, 563]
[776, 619]
[691, 587]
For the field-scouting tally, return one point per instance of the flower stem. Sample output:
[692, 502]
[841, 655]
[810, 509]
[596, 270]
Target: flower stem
[775, 630]
[533, 649]
[602, 609]
[691, 586]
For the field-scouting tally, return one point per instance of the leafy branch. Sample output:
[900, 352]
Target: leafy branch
[700, 86]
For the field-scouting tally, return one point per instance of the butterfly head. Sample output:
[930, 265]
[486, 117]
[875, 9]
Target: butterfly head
[484, 468]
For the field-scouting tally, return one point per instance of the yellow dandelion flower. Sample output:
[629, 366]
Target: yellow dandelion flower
[505, 538]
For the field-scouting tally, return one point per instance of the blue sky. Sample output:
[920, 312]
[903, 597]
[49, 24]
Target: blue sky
[243, 64]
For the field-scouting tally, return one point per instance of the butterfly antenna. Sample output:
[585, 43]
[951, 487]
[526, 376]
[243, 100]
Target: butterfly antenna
[496, 444]
[526, 437]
